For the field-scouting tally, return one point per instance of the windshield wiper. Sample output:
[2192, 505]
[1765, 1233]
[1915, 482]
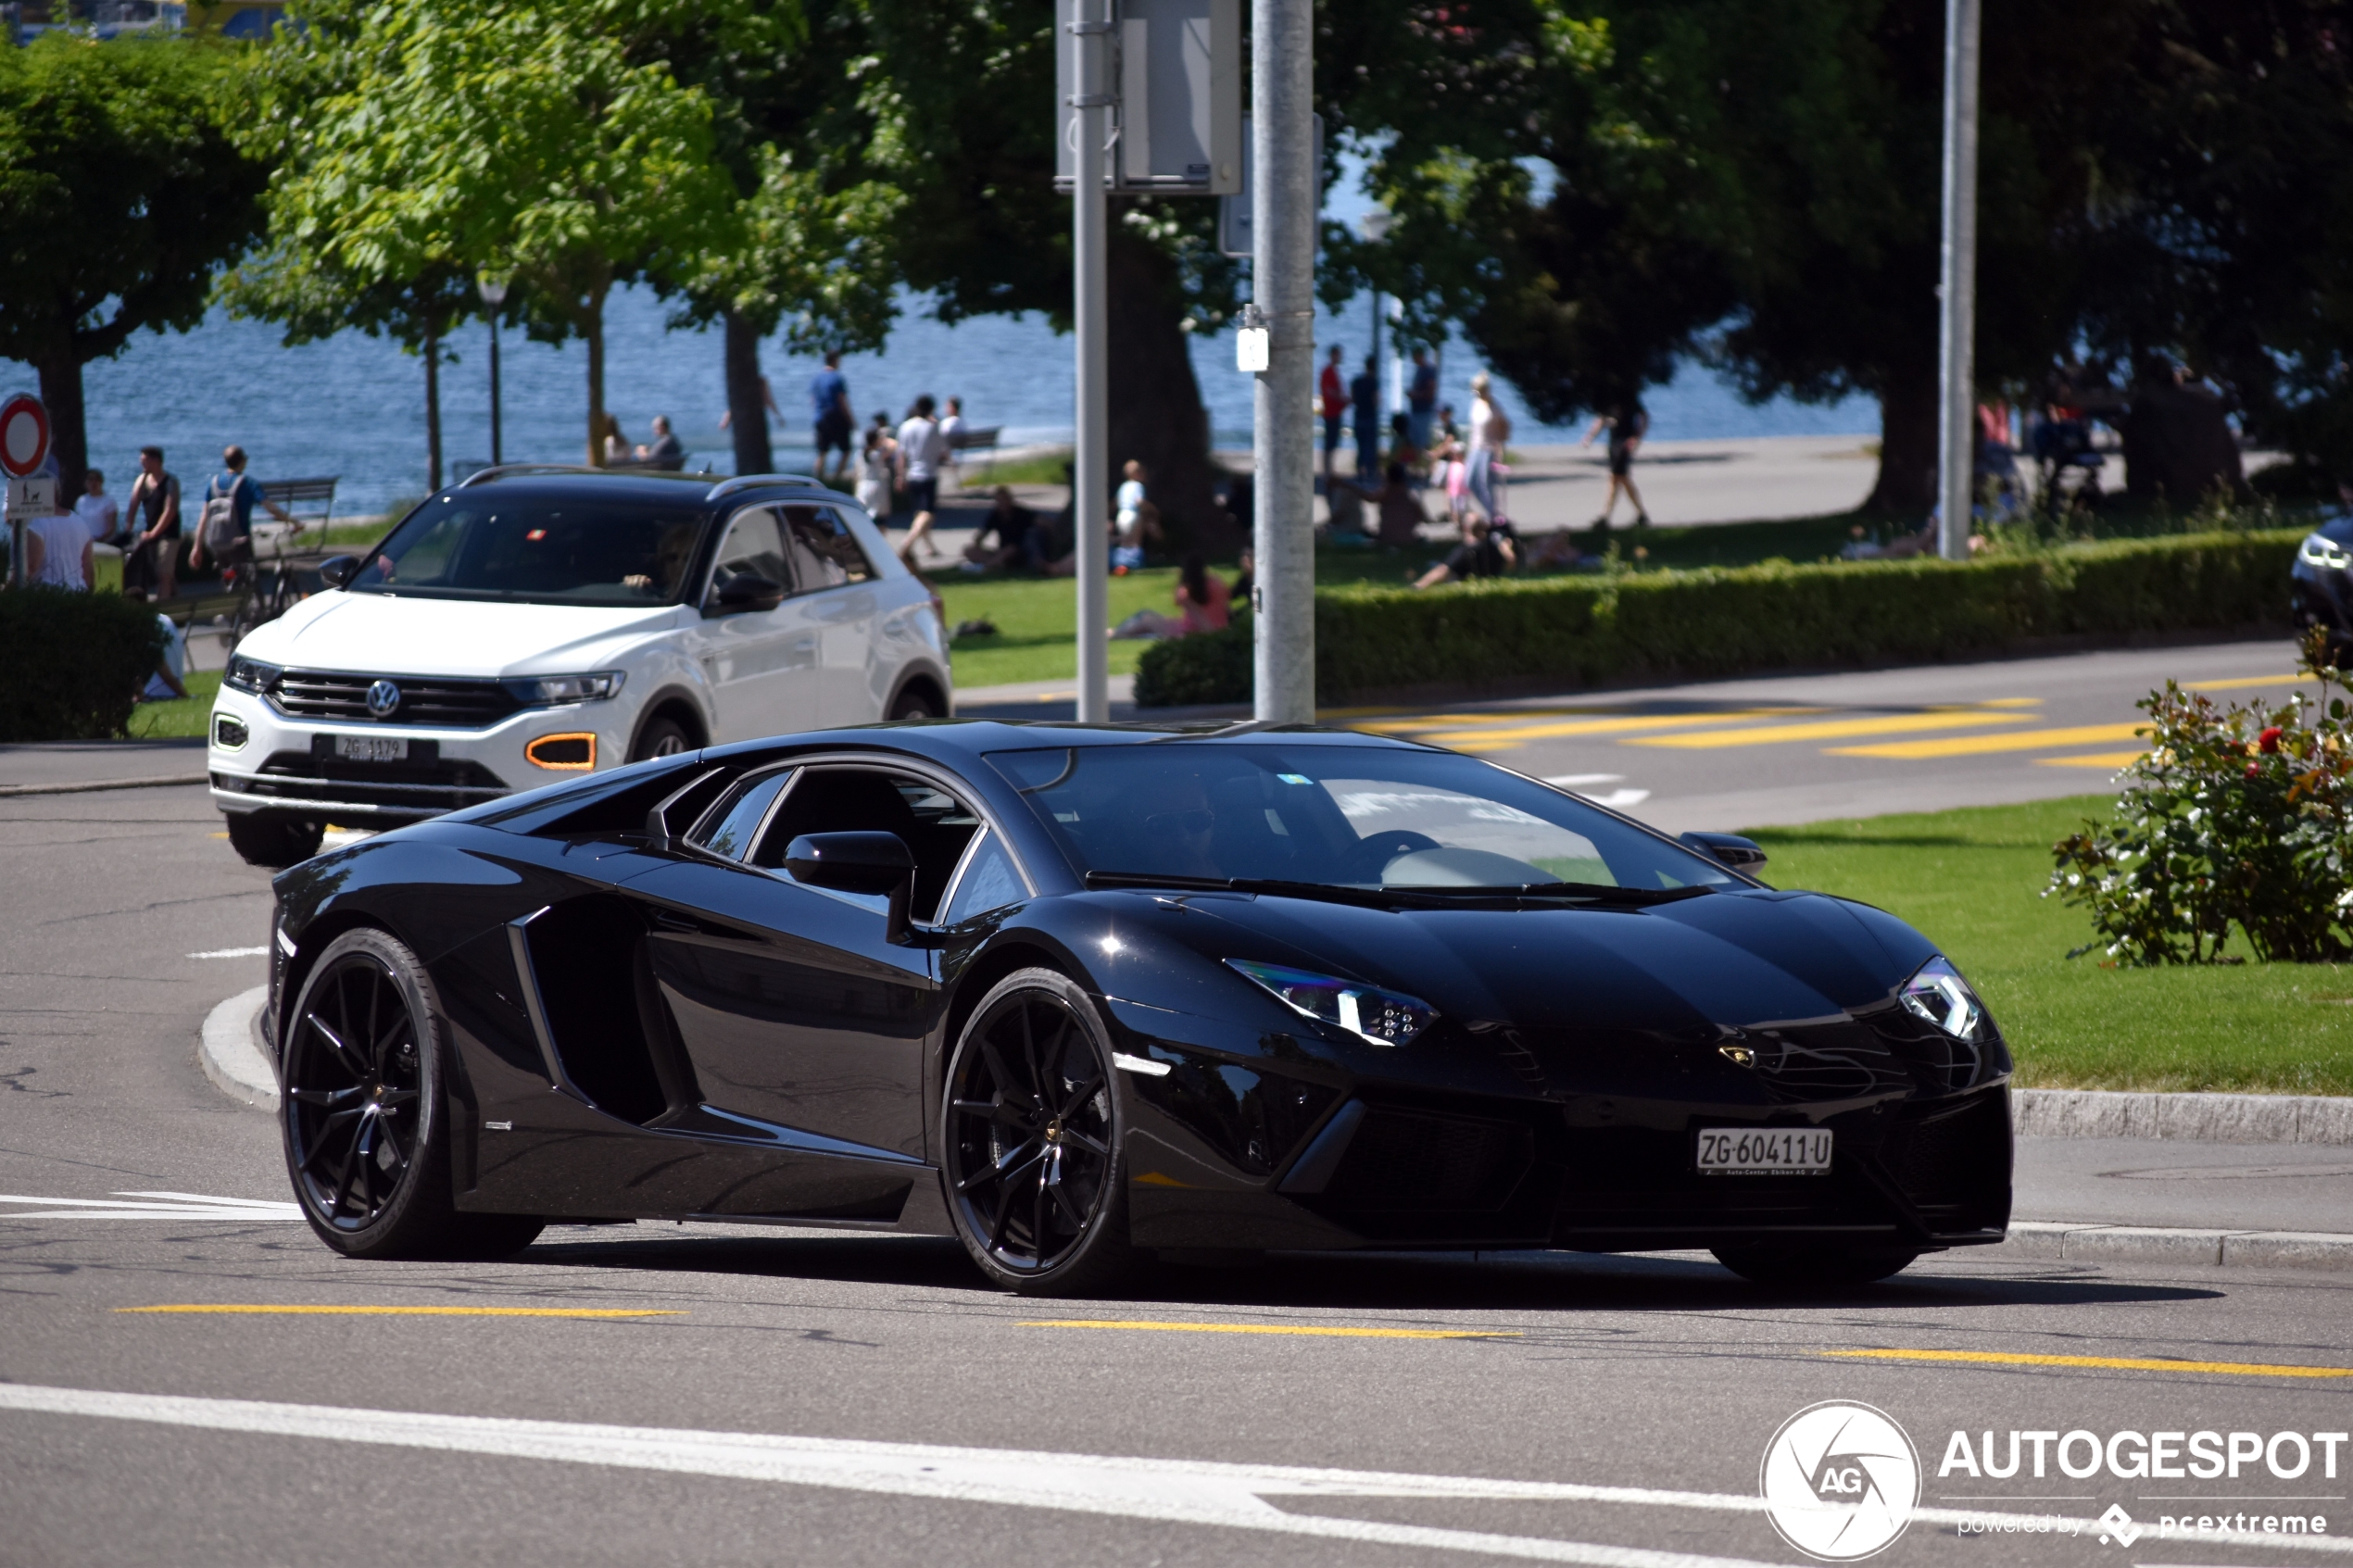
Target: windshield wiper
[1390, 897]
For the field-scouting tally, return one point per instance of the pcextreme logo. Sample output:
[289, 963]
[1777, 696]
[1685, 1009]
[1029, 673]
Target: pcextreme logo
[1840, 1481]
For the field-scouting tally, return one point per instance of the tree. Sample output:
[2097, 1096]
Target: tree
[120, 195]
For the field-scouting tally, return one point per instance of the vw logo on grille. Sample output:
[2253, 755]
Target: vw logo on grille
[382, 699]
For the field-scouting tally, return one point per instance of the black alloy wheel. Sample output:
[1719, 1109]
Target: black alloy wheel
[661, 738]
[1815, 1270]
[1032, 1132]
[365, 1118]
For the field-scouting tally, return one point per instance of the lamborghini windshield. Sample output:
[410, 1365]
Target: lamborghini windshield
[480, 545]
[1368, 817]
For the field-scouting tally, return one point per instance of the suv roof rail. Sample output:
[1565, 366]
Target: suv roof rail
[503, 470]
[746, 482]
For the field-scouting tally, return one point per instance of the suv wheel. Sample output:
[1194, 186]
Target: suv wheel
[661, 738]
[914, 704]
[274, 839]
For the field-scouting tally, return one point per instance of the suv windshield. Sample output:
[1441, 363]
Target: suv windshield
[485, 545]
[1366, 817]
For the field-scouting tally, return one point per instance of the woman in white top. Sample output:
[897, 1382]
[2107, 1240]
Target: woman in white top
[877, 465]
[1489, 429]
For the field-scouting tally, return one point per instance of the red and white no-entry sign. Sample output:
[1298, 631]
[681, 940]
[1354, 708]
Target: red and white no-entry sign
[24, 435]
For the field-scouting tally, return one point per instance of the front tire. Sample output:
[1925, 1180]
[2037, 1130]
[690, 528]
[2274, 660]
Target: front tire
[365, 1114]
[1034, 1139]
[914, 704]
[1815, 1268]
[274, 839]
[661, 738]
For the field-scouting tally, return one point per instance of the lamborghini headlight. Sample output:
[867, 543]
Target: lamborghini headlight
[1937, 993]
[1385, 1018]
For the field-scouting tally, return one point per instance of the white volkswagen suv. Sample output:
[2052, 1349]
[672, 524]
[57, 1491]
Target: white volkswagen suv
[532, 622]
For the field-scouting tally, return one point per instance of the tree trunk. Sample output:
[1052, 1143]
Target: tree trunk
[747, 409]
[69, 435]
[592, 330]
[1156, 414]
[433, 408]
[1907, 445]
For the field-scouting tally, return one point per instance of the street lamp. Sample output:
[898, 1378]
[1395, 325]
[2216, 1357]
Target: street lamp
[1375, 226]
[494, 295]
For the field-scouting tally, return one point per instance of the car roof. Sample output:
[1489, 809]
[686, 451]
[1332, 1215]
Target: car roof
[549, 482]
[958, 742]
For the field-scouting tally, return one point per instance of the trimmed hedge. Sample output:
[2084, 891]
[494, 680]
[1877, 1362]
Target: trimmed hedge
[74, 663]
[1576, 631]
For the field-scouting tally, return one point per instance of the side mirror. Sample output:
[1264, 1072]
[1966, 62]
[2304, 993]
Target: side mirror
[1729, 849]
[745, 593]
[336, 570]
[857, 862]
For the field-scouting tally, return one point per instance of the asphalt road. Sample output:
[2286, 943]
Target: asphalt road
[792, 1398]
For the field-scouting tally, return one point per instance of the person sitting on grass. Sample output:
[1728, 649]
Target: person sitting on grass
[166, 682]
[1020, 540]
[1400, 509]
[1203, 601]
[1482, 553]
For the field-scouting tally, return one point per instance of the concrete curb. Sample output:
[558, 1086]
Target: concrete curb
[231, 1053]
[86, 786]
[2194, 1249]
[2104, 1113]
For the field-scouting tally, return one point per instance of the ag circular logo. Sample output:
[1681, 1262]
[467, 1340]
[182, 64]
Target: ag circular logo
[382, 699]
[1840, 1481]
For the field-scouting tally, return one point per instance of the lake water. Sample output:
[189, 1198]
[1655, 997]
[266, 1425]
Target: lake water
[353, 406]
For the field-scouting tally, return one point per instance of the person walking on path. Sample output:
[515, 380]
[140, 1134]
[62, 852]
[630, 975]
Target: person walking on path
[878, 466]
[154, 509]
[829, 402]
[1626, 424]
[1364, 397]
[1490, 429]
[1127, 520]
[922, 450]
[1334, 399]
[1421, 399]
[225, 534]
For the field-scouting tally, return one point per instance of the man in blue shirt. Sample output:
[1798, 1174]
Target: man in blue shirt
[1421, 399]
[829, 401]
[224, 529]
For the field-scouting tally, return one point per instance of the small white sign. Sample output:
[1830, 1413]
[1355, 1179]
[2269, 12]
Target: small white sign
[33, 495]
[1250, 350]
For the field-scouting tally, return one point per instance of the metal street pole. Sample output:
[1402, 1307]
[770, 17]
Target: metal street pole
[1282, 277]
[1957, 286]
[494, 295]
[1092, 479]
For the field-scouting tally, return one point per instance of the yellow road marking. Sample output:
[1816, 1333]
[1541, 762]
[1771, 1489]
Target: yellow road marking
[2245, 680]
[1498, 739]
[413, 1311]
[1314, 1331]
[2110, 759]
[1971, 745]
[1833, 729]
[2124, 1363]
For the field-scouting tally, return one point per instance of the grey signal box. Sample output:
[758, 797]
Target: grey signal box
[1176, 70]
[1234, 236]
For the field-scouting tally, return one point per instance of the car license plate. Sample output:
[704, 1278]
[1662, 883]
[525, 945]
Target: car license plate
[1764, 1151]
[372, 748]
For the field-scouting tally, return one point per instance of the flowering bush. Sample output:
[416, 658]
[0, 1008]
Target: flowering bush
[2237, 817]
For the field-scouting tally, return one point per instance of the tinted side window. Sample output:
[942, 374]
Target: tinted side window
[753, 547]
[825, 553]
[739, 816]
[934, 825]
[990, 882]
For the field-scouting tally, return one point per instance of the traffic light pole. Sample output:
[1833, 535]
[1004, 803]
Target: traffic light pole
[1090, 318]
[1282, 288]
[1957, 286]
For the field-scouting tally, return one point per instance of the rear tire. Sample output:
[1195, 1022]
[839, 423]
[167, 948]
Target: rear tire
[364, 1111]
[661, 738]
[917, 703]
[1815, 1268]
[274, 839]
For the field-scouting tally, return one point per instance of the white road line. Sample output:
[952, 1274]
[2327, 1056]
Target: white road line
[233, 952]
[157, 1206]
[1617, 799]
[1173, 1491]
[1578, 781]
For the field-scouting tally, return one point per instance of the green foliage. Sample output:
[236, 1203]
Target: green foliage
[2237, 818]
[1574, 631]
[1208, 667]
[75, 663]
[121, 192]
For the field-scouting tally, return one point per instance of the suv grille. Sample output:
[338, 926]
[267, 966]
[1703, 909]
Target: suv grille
[444, 703]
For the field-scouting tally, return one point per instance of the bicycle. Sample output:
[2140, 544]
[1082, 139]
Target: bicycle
[257, 603]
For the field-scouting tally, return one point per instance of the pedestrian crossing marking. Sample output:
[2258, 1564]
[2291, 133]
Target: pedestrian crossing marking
[1503, 738]
[1974, 745]
[2245, 680]
[1833, 729]
[2109, 760]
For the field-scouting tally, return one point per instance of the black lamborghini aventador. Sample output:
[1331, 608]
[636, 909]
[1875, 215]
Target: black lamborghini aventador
[1076, 994]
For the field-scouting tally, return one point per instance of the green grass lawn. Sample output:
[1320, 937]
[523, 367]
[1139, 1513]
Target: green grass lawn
[178, 717]
[1037, 622]
[1969, 880]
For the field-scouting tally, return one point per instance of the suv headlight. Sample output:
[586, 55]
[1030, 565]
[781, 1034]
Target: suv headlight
[1385, 1018]
[2318, 550]
[549, 691]
[249, 675]
[1937, 993]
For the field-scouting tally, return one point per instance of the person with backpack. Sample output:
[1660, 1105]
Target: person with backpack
[224, 529]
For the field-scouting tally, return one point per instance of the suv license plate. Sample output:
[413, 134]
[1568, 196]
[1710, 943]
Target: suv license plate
[1764, 1151]
[372, 748]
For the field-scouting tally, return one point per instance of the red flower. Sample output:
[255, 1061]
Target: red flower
[2269, 740]
[2253, 768]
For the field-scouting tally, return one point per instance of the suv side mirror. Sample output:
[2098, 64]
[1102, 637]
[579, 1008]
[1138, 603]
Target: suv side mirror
[336, 570]
[745, 593]
[857, 862]
[1729, 849]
